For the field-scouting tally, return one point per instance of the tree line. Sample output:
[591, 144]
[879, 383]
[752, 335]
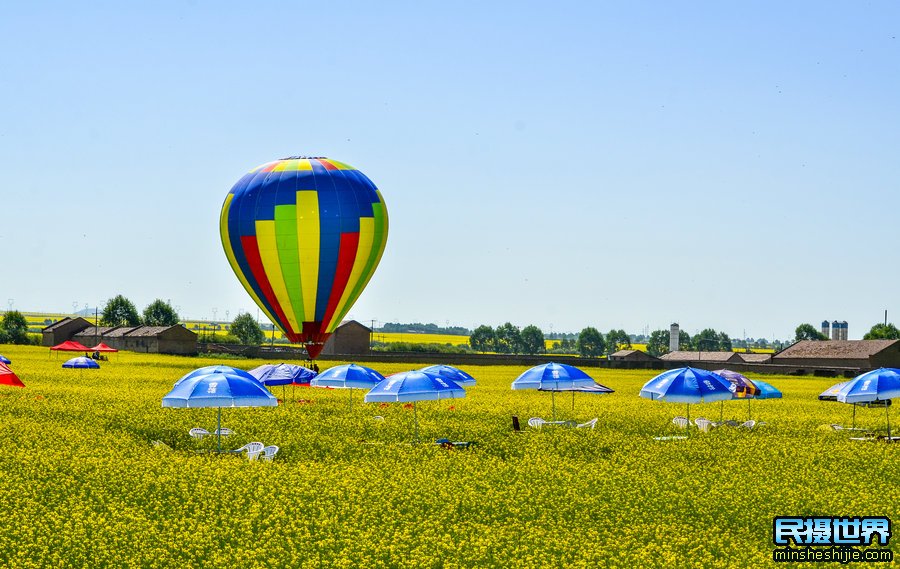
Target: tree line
[509, 339]
[119, 311]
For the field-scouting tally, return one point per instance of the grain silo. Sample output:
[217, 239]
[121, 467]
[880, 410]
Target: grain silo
[674, 337]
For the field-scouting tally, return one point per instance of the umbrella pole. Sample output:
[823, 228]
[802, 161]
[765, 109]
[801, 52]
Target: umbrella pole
[351, 399]
[219, 429]
[854, 417]
[888, 417]
[553, 403]
[721, 410]
[689, 414]
[573, 400]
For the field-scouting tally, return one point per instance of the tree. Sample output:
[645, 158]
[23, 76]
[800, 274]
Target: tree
[590, 342]
[725, 343]
[159, 313]
[617, 340]
[14, 328]
[685, 342]
[482, 338]
[808, 332]
[532, 340]
[507, 339]
[120, 311]
[658, 344]
[246, 330]
[883, 332]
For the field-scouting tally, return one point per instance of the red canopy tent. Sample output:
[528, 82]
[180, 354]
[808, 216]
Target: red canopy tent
[7, 377]
[71, 346]
[101, 347]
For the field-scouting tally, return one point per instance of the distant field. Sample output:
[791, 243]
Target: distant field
[388, 337]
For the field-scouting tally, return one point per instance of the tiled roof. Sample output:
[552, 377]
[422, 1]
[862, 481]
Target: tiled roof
[755, 358]
[837, 349]
[684, 356]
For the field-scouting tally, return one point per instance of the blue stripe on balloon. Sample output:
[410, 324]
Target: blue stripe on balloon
[265, 203]
[286, 192]
[242, 221]
[329, 236]
[248, 198]
[347, 202]
[365, 192]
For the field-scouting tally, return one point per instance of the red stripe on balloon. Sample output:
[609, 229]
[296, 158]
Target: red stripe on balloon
[328, 165]
[251, 251]
[346, 257]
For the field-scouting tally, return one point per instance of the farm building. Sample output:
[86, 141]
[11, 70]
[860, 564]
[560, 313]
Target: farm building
[859, 354]
[151, 339]
[751, 358]
[632, 356]
[711, 357]
[350, 337]
[63, 330]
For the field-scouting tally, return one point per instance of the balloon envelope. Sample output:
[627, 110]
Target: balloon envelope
[304, 235]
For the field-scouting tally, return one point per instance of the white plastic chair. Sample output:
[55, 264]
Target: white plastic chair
[703, 424]
[536, 422]
[269, 453]
[198, 433]
[223, 431]
[681, 422]
[588, 425]
[253, 450]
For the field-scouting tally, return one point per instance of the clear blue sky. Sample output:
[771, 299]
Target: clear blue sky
[569, 164]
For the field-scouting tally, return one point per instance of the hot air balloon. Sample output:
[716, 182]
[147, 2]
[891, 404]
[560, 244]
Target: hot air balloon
[304, 235]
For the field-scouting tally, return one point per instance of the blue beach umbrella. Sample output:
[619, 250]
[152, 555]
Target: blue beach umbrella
[687, 385]
[219, 388]
[4, 360]
[81, 363]
[348, 376]
[209, 369]
[553, 377]
[766, 390]
[282, 374]
[413, 386]
[878, 385]
[456, 375]
[831, 393]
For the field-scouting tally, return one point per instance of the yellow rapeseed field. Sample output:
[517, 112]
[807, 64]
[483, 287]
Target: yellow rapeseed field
[82, 483]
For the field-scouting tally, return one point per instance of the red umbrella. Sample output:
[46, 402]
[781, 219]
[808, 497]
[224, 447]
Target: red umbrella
[7, 377]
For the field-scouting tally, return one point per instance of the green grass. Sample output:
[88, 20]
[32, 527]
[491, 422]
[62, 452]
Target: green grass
[81, 484]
